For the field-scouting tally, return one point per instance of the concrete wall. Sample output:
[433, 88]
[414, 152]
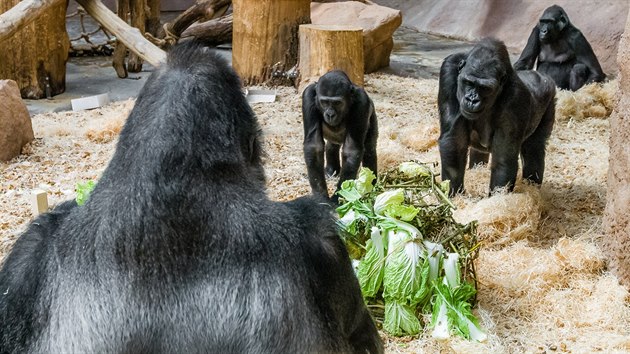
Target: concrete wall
[511, 21]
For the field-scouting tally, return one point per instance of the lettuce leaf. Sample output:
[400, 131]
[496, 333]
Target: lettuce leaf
[400, 319]
[372, 265]
[83, 191]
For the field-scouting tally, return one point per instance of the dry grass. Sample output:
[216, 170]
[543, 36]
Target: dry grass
[543, 283]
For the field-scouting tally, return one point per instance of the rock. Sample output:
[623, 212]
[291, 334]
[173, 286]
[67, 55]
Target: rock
[378, 23]
[15, 122]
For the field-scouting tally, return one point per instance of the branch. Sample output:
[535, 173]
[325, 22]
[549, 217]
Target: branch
[22, 14]
[129, 36]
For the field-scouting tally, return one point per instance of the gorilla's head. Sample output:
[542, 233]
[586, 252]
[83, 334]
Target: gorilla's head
[552, 22]
[334, 96]
[481, 77]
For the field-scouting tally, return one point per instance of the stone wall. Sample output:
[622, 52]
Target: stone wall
[617, 214]
[602, 22]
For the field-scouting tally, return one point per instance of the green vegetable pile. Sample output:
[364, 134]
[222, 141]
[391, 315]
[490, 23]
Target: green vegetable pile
[414, 259]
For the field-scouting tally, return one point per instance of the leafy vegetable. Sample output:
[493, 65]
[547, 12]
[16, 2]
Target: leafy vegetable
[413, 257]
[83, 191]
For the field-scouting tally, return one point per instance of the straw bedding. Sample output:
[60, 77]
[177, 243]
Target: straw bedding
[543, 280]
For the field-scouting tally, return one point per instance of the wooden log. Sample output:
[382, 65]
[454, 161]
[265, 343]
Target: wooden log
[138, 20]
[129, 36]
[265, 37]
[153, 24]
[22, 14]
[120, 52]
[326, 47]
[35, 54]
[213, 32]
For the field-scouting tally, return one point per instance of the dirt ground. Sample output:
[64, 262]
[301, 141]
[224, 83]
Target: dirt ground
[544, 287]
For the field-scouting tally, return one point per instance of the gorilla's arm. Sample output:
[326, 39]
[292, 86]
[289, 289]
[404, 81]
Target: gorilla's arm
[585, 55]
[454, 138]
[357, 124]
[313, 141]
[530, 53]
[21, 276]
[333, 281]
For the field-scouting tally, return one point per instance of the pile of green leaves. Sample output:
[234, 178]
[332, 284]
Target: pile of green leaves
[413, 258]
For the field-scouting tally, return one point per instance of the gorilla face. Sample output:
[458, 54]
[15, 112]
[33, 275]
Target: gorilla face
[479, 83]
[334, 93]
[551, 23]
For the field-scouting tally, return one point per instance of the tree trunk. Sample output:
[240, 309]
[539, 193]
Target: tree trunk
[35, 56]
[213, 32]
[265, 37]
[22, 14]
[617, 214]
[120, 52]
[138, 20]
[153, 24]
[326, 47]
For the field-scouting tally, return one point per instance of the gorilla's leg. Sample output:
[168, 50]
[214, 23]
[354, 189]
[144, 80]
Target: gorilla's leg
[332, 159]
[369, 155]
[533, 148]
[578, 76]
[477, 158]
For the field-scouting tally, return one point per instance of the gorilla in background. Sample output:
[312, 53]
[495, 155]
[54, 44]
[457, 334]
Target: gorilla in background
[178, 249]
[336, 110]
[562, 52]
[486, 105]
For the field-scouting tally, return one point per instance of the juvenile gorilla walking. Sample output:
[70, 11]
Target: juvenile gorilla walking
[486, 105]
[178, 248]
[343, 114]
[561, 51]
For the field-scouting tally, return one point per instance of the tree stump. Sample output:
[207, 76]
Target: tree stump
[265, 37]
[616, 244]
[35, 56]
[327, 47]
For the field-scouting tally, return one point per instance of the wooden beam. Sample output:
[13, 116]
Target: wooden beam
[129, 36]
[22, 14]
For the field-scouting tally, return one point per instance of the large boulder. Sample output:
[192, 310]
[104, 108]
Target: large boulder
[15, 122]
[378, 24]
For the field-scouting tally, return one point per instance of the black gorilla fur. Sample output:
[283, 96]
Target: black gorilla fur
[178, 249]
[343, 114]
[561, 51]
[488, 106]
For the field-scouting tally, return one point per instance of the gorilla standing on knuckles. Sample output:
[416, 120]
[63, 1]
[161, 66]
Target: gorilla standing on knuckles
[178, 248]
[343, 114]
[562, 52]
[486, 105]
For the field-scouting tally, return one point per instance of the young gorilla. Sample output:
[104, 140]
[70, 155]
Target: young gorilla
[178, 248]
[340, 112]
[488, 106]
[562, 52]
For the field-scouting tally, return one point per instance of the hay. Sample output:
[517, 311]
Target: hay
[593, 100]
[543, 284]
[504, 217]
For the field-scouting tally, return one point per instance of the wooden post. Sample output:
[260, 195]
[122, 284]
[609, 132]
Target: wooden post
[36, 54]
[265, 37]
[325, 47]
[138, 20]
[120, 52]
[153, 24]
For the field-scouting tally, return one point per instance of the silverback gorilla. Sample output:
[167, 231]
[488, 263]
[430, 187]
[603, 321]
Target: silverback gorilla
[340, 112]
[178, 249]
[562, 52]
[486, 105]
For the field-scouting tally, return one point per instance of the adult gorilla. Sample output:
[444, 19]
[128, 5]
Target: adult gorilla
[562, 52]
[178, 248]
[486, 105]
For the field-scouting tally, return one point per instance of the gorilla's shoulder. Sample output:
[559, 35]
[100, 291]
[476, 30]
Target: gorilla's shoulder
[313, 211]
